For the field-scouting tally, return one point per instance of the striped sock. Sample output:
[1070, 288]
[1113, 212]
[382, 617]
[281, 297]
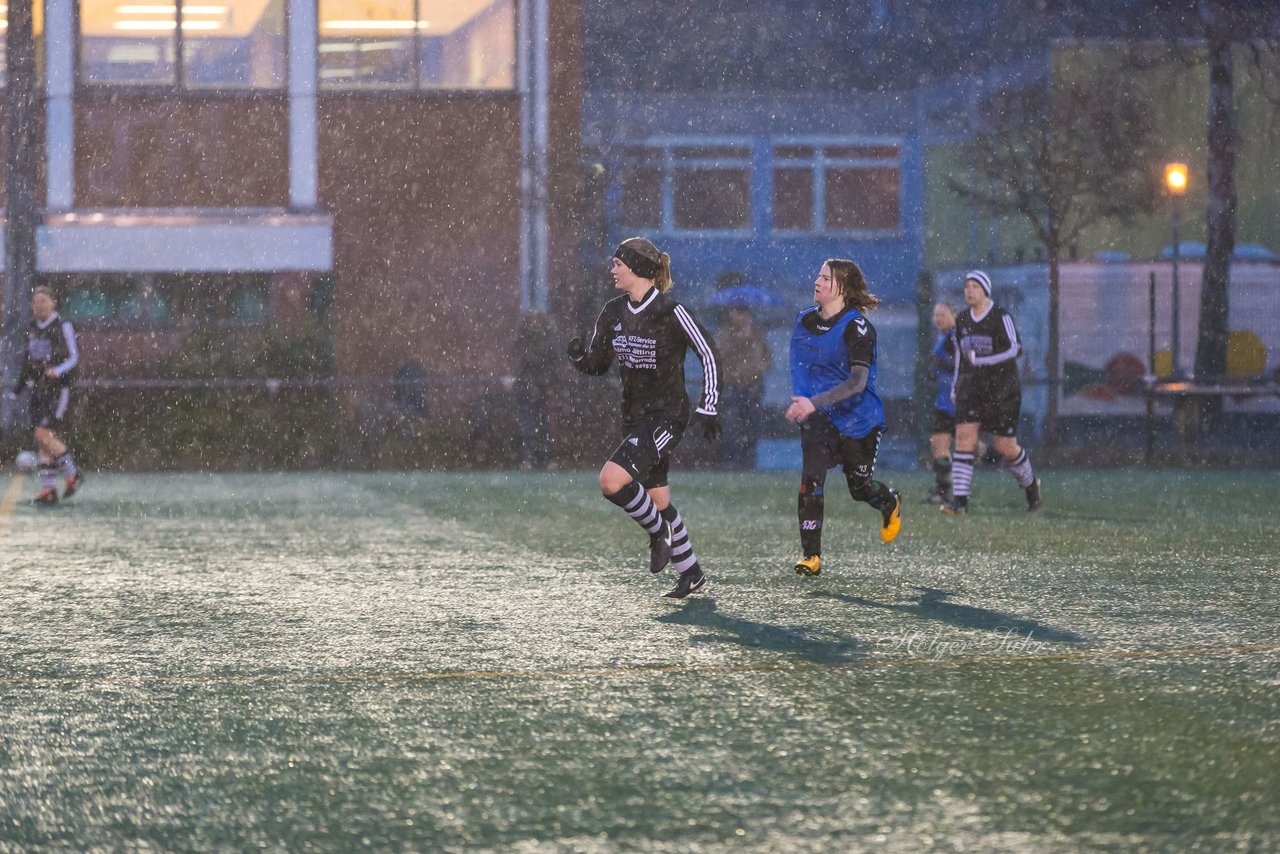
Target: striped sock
[638, 505]
[1020, 468]
[682, 556]
[961, 473]
[48, 476]
[68, 465]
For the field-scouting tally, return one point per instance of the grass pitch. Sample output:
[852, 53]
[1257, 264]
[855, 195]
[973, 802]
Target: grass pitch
[480, 661]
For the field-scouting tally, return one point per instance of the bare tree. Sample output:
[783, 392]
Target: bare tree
[1226, 24]
[1211, 32]
[1064, 155]
[1211, 340]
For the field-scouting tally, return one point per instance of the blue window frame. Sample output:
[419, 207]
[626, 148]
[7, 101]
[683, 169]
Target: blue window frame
[848, 186]
[686, 186]
[814, 186]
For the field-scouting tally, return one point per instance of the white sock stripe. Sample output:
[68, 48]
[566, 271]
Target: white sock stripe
[961, 477]
[645, 510]
[685, 562]
[710, 378]
[595, 330]
[1021, 470]
[639, 500]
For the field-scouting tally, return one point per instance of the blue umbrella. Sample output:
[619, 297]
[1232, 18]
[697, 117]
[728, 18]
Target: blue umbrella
[746, 296]
[769, 308]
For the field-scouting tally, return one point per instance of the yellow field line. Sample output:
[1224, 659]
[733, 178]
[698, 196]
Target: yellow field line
[10, 501]
[678, 669]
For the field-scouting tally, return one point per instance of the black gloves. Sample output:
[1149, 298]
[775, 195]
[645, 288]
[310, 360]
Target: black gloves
[576, 349]
[710, 425]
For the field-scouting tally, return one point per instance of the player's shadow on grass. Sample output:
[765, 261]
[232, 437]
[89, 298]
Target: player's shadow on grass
[818, 645]
[933, 605]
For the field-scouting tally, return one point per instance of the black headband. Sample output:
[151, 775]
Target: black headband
[645, 268]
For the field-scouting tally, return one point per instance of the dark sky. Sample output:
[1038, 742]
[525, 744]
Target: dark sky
[793, 45]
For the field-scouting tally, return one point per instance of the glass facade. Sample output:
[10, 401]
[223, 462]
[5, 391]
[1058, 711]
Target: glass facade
[417, 44]
[159, 300]
[225, 44]
[242, 44]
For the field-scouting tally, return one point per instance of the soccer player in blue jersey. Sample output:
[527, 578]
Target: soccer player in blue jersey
[834, 400]
[942, 359]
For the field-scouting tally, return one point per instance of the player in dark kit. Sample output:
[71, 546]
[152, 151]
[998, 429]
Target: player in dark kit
[834, 400]
[649, 332]
[48, 368]
[987, 392]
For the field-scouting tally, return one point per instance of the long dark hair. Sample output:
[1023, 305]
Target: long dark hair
[853, 285]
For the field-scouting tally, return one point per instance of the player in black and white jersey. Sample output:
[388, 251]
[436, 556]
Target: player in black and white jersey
[48, 368]
[649, 332]
[988, 394]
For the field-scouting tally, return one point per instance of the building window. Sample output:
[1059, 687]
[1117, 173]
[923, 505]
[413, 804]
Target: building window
[845, 186]
[861, 199]
[793, 199]
[195, 44]
[122, 299]
[105, 300]
[686, 186]
[417, 44]
[236, 299]
[235, 52]
[640, 188]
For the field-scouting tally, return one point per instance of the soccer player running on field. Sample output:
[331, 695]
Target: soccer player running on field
[48, 368]
[987, 393]
[834, 400]
[649, 332]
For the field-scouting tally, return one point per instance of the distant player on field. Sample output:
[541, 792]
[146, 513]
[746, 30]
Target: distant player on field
[649, 332]
[834, 400]
[987, 392]
[48, 368]
[942, 359]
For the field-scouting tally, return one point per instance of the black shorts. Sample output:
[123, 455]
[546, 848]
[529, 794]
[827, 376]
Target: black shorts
[823, 448]
[994, 408]
[50, 407]
[646, 451]
[943, 422]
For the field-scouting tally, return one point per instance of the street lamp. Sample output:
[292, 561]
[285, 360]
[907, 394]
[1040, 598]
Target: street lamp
[1175, 179]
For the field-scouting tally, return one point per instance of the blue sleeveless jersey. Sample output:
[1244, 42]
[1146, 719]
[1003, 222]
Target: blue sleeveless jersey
[820, 362]
[944, 357]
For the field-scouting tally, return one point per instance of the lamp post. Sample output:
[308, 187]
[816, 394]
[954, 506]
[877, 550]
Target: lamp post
[1175, 179]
